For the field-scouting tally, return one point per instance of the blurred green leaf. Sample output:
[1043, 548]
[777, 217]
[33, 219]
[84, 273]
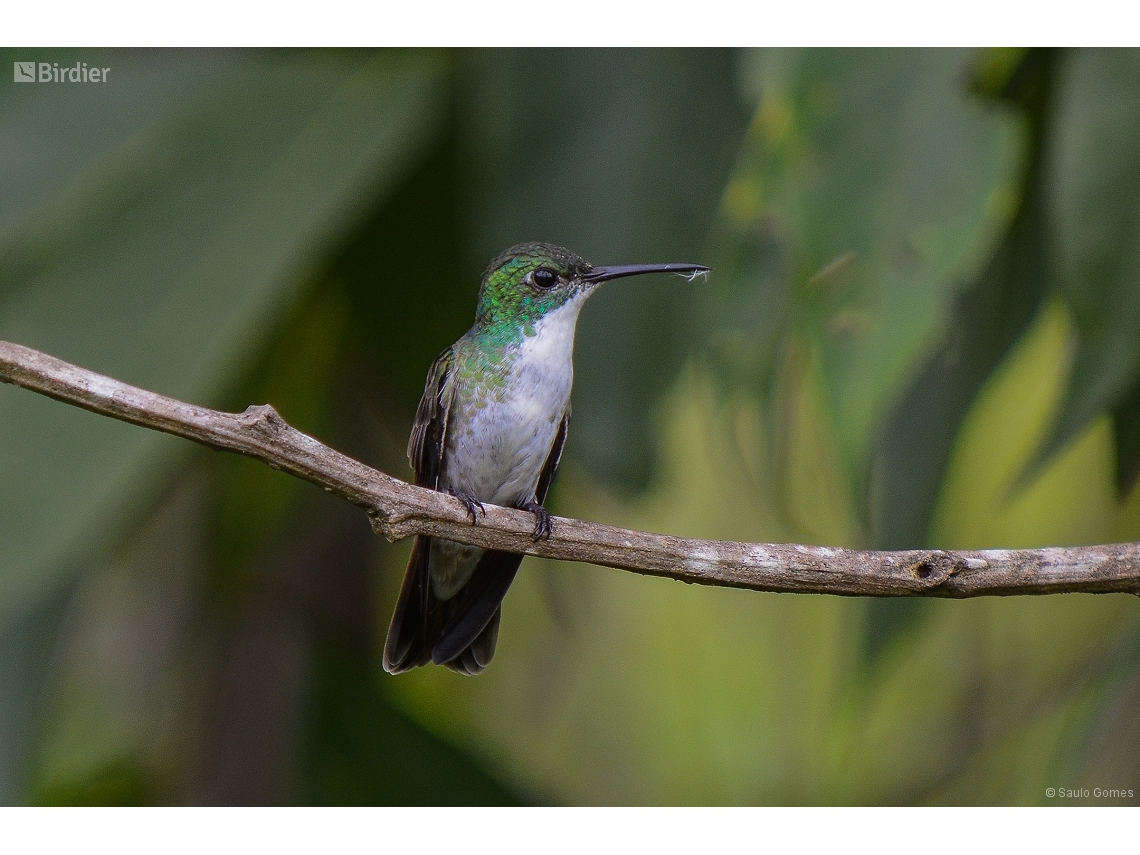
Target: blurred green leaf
[994, 71]
[914, 443]
[154, 228]
[880, 186]
[1069, 502]
[1095, 205]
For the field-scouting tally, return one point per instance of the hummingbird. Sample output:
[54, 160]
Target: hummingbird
[490, 428]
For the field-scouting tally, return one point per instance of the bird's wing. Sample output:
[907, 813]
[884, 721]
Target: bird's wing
[429, 432]
[550, 467]
[415, 621]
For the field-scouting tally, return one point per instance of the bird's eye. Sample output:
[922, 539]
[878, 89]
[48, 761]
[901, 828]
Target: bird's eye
[544, 278]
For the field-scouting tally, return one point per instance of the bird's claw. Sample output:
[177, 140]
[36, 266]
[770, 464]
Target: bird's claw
[471, 503]
[543, 524]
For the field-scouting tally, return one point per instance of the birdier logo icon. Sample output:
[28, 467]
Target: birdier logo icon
[51, 72]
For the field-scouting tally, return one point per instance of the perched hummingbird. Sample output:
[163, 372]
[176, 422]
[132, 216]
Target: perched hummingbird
[490, 428]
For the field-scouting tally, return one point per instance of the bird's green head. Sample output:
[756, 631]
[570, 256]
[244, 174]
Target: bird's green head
[525, 282]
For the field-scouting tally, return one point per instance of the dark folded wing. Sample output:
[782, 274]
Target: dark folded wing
[550, 467]
[417, 619]
[429, 433]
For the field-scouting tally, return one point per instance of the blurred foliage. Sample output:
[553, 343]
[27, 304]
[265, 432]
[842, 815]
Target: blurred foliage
[921, 329]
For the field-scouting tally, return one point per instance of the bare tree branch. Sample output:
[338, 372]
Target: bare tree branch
[397, 510]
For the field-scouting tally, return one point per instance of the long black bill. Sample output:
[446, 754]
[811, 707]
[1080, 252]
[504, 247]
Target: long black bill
[604, 274]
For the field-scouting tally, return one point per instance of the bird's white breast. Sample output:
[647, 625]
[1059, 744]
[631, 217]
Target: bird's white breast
[501, 448]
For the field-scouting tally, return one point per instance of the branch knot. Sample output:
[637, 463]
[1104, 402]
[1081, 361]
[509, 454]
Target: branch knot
[263, 419]
[935, 568]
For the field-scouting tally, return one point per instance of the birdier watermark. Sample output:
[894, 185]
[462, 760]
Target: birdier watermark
[1106, 793]
[53, 72]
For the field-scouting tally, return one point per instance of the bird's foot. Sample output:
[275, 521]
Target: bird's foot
[543, 524]
[471, 502]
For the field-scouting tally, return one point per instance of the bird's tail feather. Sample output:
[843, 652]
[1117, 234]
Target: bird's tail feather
[460, 633]
[474, 623]
[478, 654]
[407, 644]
